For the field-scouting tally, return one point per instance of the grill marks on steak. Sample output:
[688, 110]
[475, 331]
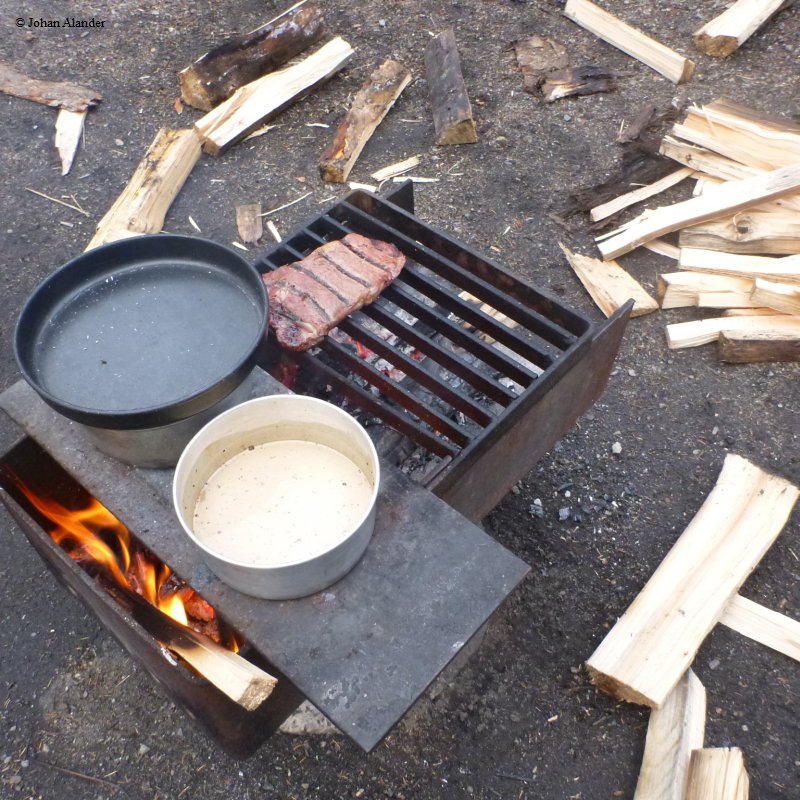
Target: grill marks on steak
[310, 297]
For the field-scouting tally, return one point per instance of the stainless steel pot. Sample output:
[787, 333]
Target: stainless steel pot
[280, 418]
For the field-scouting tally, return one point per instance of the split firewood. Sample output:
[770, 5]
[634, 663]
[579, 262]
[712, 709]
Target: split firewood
[370, 105]
[252, 104]
[754, 232]
[759, 311]
[726, 33]
[638, 195]
[143, 204]
[763, 625]
[215, 76]
[783, 297]
[248, 222]
[744, 347]
[736, 195]
[625, 37]
[718, 773]
[654, 642]
[61, 94]
[452, 111]
[785, 269]
[69, 129]
[741, 133]
[673, 732]
[610, 285]
[702, 331]
[663, 248]
[690, 289]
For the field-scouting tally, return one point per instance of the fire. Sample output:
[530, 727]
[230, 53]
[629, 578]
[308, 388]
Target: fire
[95, 538]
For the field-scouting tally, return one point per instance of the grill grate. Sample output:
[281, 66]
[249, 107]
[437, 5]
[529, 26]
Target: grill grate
[467, 375]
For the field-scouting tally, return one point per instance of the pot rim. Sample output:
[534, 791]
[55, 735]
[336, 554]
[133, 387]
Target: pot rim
[268, 568]
[152, 416]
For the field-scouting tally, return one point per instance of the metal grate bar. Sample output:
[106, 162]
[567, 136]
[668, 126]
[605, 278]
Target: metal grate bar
[535, 299]
[431, 349]
[460, 336]
[394, 391]
[461, 277]
[543, 355]
[368, 402]
[354, 327]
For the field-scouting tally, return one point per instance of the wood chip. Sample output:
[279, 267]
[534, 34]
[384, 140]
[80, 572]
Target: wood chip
[248, 222]
[69, 130]
[395, 169]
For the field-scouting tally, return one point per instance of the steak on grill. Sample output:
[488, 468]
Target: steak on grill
[310, 297]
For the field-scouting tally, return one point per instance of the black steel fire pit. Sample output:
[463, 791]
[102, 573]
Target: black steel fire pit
[480, 398]
[498, 397]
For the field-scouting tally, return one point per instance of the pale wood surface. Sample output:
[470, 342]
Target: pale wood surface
[254, 103]
[663, 248]
[763, 625]
[61, 94]
[702, 331]
[233, 675]
[750, 312]
[724, 34]
[747, 347]
[142, 206]
[398, 168]
[736, 195]
[69, 130]
[752, 232]
[674, 730]
[638, 195]
[683, 289]
[654, 642]
[249, 223]
[216, 75]
[783, 297]
[370, 105]
[609, 284]
[785, 269]
[630, 40]
[718, 773]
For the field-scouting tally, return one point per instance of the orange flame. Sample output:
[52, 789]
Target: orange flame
[85, 535]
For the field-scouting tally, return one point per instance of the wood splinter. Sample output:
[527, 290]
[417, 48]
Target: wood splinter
[452, 111]
[69, 130]
[215, 76]
[370, 105]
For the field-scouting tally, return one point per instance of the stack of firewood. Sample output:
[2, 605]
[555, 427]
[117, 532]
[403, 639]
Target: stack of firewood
[738, 245]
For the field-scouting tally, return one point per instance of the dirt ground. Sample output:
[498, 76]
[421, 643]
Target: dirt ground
[79, 720]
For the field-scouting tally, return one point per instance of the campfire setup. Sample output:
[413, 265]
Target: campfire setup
[161, 372]
[460, 405]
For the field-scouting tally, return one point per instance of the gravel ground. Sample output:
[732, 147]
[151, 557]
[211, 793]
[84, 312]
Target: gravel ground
[79, 720]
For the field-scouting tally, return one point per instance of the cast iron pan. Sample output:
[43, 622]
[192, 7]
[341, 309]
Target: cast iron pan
[142, 332]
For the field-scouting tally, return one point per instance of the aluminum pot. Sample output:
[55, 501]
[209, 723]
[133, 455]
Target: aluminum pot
[143, 340]
[263, 421]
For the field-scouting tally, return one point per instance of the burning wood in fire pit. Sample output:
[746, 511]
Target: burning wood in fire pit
[139, 581]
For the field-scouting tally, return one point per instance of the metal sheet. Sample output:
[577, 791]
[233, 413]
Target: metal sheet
[362, 651]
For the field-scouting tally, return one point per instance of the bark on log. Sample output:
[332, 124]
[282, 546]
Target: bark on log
[59, 94]
[370, 105]
[452, 111]
[215, 76]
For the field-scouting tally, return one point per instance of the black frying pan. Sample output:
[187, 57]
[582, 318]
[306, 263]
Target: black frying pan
[142, 332]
